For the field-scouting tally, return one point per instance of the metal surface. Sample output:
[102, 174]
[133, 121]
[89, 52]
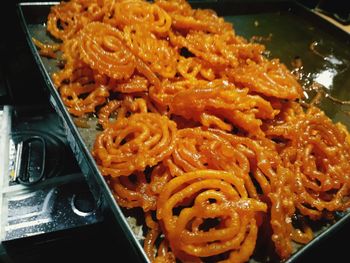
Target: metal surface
[286, 29]
[48, 194]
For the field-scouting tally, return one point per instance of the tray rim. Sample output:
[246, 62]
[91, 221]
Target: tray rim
[75, 140]
[82, 153]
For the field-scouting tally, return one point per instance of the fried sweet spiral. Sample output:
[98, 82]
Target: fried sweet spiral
[192, 68]
[134, 143]
[202, 20]
[208, 195]
[68, 18]
[46, 50]
[186, 18]
[102, 49]
[282, 210]
[168, 89]
[135, 12]
[137, 190]
[316, 181]
[146, 46]
[318, 155]
[120, 109]
[71, 57]
[219, 50]
[62, 21]
[162, 254]
[262, 156]
[269, 78]
[73, 98]
[133, 191]
[233, 105]
[134, 84]
[198, 149]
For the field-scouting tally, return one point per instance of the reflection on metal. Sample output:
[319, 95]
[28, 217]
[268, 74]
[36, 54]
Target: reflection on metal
[82, 205]
[333, 66]
[18, 161]
[326, 77]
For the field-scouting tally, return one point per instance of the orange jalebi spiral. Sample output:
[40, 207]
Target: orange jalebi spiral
[277, 183]
[46, 50]
[192, 68]
[186, 18]
[133, 191]
[201, 19]
[262, 156]
[168, 89]
[175, 6]
[269, 78]
[68, 18]
[198, 149]
[73, 97]
[224, 50]
[71, 57]
[162, 253]
[134, 84]
[316, 151]
[62, 21]
[319, 158]
[133, 143]
[140, 190]
[208, 195]
[135, 12]
[102, 49]
[146, 46]
[120, 109]
[282, 210]
[213, 106]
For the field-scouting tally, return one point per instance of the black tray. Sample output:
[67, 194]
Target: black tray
[286, 28]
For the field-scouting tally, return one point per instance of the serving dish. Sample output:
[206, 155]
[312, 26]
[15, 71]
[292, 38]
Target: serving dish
[289, 32]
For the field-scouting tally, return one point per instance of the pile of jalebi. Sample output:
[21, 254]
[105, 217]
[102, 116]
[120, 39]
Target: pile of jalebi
[200, 130]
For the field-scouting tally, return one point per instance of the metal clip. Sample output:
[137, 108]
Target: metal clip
[17, 161]
[30, 160]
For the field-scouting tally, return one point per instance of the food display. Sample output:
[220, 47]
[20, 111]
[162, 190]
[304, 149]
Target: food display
[198, 129]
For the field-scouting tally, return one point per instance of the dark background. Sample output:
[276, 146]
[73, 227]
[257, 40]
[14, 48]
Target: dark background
[21, 83]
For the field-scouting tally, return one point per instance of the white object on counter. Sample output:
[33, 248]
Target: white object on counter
[5, 130]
